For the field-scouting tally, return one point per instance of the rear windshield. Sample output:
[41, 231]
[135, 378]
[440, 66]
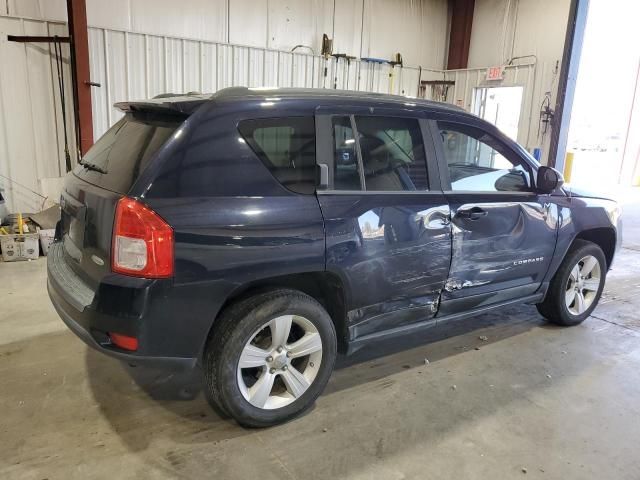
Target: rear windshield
[118, 158]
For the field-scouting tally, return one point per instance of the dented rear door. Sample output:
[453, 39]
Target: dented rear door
[388, 235]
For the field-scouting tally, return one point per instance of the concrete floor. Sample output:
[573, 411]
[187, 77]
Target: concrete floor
[558, 402]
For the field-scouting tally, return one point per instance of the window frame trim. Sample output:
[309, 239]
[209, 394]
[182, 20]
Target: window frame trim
[356, 137]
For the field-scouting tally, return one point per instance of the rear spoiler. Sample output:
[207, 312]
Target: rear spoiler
[182, 105]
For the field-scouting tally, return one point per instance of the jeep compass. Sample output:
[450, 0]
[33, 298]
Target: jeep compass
[259, 232]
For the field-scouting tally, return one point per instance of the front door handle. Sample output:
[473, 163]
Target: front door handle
[473, 213]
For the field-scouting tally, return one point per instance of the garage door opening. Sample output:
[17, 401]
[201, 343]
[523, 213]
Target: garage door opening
[500, 106]
[604, 133]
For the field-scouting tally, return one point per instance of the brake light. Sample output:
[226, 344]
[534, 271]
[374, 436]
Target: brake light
[123, 341]
[142, 244]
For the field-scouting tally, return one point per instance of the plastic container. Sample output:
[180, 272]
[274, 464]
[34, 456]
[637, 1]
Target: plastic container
[19, 247]
[46, 239]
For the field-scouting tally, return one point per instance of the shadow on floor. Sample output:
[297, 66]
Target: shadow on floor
[143, 404]
[173, 404]
[385, 358]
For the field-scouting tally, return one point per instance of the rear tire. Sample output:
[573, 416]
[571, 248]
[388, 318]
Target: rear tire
[269, 357]
[576, 287]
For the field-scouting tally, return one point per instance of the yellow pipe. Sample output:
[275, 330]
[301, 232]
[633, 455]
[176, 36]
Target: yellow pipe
[568, 167]
[20, 223]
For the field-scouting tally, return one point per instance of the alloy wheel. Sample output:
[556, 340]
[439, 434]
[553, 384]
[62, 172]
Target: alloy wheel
[279, 362]
[583, 285]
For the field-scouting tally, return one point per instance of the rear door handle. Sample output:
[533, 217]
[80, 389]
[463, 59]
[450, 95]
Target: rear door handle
[473, 213]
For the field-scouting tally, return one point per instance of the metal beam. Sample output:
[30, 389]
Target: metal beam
[574, 38]
[80, 73]
[460, 34]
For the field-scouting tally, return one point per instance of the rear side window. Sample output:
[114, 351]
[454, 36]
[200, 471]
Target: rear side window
[118, 158]
[287, 147]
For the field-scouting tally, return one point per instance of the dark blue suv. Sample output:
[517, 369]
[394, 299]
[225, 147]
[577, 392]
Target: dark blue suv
[258, 232]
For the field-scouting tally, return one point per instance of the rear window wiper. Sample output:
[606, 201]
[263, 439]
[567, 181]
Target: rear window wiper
[93, 167]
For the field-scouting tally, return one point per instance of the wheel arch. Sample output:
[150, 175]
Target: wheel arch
[604, 237]
[325, 287]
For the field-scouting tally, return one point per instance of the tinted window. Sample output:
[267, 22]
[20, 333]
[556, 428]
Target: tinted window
[125, 150]
[392, 153]
[287, 148]
[478, 161]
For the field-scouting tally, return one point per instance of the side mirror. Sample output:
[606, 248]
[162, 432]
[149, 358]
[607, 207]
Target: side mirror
[549, 179]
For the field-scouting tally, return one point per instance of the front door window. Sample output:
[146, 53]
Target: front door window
[478, 162]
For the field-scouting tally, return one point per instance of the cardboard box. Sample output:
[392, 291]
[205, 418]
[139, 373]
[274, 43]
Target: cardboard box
[20, 247]
[46, 239]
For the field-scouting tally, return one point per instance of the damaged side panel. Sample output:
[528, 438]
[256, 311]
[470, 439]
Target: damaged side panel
[392, 252]
[509, 249]
[453, 284]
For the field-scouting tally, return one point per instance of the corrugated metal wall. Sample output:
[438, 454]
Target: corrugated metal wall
[361, 28]
[132, 65]
[31, 148]
[466, 81]
[534, 29]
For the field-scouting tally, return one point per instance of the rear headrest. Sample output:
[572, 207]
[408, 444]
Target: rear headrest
[368, 145]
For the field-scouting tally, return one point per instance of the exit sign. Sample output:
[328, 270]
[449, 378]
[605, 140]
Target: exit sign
[495, 73]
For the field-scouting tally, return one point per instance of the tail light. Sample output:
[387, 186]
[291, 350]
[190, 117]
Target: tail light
[142, 244]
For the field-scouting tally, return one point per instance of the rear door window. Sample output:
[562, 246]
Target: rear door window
[118, 158]
[392, 149]
[287, 147]
[392, 154]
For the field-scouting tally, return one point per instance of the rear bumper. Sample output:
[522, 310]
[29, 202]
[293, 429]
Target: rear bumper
[92, 326]
[173, 363]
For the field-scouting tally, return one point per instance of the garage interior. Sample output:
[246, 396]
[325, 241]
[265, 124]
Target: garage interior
[499, 395]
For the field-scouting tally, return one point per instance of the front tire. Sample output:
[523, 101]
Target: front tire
[269, 357]
[576, 287]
